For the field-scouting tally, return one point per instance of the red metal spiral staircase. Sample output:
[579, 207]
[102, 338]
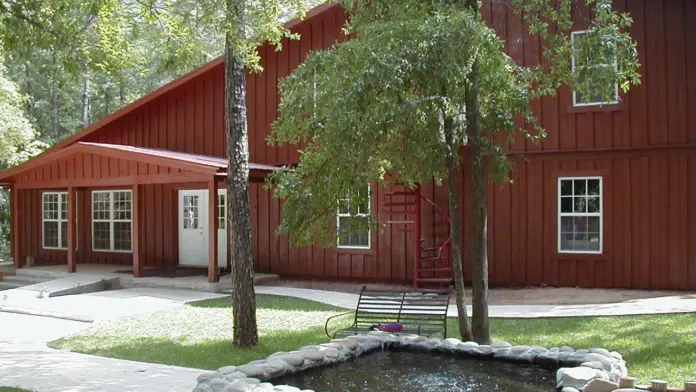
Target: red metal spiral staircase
[432, 267]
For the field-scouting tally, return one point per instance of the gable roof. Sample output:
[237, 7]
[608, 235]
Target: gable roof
[219, 61]
[190, 162]
[172, 85]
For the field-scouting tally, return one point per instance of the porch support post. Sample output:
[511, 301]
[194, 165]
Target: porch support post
[15, 227]
[213, 272]
[135, 230]
[72, 262]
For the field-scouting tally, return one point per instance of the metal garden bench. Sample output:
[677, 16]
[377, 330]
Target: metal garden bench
[419, 312]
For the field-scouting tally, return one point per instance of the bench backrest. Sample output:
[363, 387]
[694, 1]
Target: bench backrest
[413, 309]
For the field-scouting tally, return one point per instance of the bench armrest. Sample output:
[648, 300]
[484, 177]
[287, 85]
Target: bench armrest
[326, 326]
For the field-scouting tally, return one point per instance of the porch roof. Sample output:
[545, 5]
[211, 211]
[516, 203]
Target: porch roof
[193, 163]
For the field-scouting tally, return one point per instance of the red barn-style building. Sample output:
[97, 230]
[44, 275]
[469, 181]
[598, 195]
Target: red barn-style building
[606, 200]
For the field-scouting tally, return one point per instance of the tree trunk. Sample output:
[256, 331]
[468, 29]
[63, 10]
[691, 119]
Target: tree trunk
[452, 162]
[479, 215]
[457, 269]
[86, 91]
[107, 100]
[479, 204]
[239, 215]
[54, 100]
[122, 93]
[30, 90]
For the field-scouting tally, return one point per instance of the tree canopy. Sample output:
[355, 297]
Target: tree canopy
[417, 80]
[18, 138]
[376, 105]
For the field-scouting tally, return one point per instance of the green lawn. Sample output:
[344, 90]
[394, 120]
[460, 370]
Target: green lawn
[285, 324]
[662, 346]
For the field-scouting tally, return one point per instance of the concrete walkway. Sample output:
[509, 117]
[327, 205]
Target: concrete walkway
[101, 305]
[672, 304]
[27, 362]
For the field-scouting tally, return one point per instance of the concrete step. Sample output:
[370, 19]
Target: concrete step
[17, 281]
[26, 279]
[4, 285]
[74, 284]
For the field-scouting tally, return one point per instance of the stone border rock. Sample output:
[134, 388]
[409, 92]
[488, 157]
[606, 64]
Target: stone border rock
[593, 370]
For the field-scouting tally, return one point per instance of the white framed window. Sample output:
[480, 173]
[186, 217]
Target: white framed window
[54, 215]
[54, 220]
[580, 215]
[112, 221]
[576, 61]
[347, 212]
[222, 209]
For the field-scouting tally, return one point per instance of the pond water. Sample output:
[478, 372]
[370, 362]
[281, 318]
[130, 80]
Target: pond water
[393, 371]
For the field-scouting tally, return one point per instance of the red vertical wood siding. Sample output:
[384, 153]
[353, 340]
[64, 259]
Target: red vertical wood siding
[643, 149]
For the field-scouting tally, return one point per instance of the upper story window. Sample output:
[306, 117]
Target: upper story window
[580, 215]
[347, 212]
[111, 221]
[54, 220]
[589, 65]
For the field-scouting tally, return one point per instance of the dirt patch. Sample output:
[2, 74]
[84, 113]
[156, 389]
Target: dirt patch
[506, 296]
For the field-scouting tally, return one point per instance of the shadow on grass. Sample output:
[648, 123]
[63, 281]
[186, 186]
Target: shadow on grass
[210, 354]
[274, 302]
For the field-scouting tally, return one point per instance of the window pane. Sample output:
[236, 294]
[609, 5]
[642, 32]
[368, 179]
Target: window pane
[580, 241]
[593, 187]
[580, 187]
[593, 242]
[122, 205]
[593, 204]
[363, 240]
[363, 208]
[122, 236]
[566, 204]
[593, 223]
[190, 212]
[594, 97]
[343, 207]
[101, 206]
[567, 241]
[343, 224]
[574, 233]
[102, 236]
[579, 204]
[64, 206]
[50, 206]
[50, 233]
[566, 187]
[221, 212]
[580, 223]
[63, 234]
[567, 224]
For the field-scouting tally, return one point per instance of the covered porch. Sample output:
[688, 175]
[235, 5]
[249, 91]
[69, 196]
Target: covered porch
[116, 208]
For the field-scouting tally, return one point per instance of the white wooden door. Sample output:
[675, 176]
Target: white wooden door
[193, 227]
[222, 227]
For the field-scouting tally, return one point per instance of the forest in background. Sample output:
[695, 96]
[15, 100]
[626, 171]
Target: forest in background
[50, 90]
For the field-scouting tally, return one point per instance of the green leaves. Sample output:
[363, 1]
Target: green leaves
[388, 106]
[374, 109]
[17, 136]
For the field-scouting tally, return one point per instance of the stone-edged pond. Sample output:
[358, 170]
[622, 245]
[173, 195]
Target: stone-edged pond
[383, 362]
